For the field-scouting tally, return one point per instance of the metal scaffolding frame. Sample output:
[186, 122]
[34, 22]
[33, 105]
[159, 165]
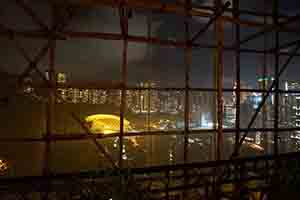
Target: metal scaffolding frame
[219, 169]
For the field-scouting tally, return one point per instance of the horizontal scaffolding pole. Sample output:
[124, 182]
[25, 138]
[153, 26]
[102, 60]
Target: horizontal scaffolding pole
[83, 136]
[131, 38]
[241, 11]
[99, 85]
[276, 27]
[172, 8]
[34, 34]
[241, 180]
[102, 173]
[284, 46]
[210, 22]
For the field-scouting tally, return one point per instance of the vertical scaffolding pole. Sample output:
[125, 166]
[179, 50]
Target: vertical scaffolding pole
[50, 108]
[238, 73]
[51, 97]
[264, 108]
[276, 180]
[148, 124]
[236, 6]
[188, 60]
[219, 76]
[149, 47]
[124, 28]
[276, 100]
[218, 66]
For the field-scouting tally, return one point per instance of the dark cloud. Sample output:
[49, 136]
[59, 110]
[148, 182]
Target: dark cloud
[98, 59]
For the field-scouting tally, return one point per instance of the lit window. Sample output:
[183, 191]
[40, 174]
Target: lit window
[3, 166]
[61, 78]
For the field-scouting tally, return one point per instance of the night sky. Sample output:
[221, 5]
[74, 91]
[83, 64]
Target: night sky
[87, 59]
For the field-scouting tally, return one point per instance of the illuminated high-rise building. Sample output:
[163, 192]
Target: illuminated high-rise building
[112, 97]
[229, 114]
[132, 100]
[94, 96]
[290, 113]
[264, 83]
[243, 95]
[265, 119]
[28, 89]
[146, 100]
[85, 96]
[102, 96]
[79, 95]
[292, 102]
[267, 111]
[199, 109]
[61, 79]
[75, 95]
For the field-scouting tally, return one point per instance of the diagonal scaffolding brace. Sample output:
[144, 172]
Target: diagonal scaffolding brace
[284, 46]
[35, 18]
[77, 119]
[283, 68]
[277, 27]
[211, 21]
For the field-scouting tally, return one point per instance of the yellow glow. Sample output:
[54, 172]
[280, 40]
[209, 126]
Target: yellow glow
[3, 166]
[104, 116]
[134, 141]
[106, 132]
[227, 187]
[106, 124]
[257, 147]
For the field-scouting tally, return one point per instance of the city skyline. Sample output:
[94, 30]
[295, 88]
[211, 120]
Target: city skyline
[138, 100]
[156, 99]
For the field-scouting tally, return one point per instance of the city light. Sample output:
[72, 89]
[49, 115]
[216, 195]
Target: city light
[256, 146]
[108, 124]
[4, 166]
[146, 99]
